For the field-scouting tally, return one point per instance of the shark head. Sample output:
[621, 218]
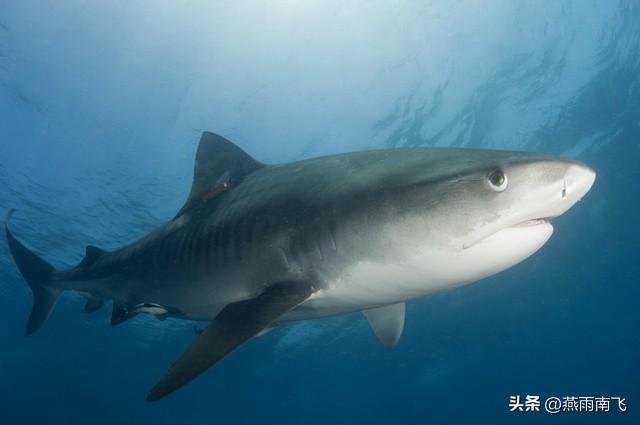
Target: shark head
[503, 212]
[448, 217]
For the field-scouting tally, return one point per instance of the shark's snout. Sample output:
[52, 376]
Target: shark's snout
[577, 181]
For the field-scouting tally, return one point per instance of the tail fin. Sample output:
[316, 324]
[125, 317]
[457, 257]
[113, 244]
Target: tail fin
[36, 272]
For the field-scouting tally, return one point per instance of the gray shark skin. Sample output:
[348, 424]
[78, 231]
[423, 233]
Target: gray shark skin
[257, 244]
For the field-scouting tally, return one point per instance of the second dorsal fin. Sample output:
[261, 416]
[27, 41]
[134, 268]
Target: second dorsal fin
[220, 164]
[92, 253]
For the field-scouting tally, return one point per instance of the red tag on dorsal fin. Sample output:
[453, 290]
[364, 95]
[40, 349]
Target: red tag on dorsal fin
[217, 190]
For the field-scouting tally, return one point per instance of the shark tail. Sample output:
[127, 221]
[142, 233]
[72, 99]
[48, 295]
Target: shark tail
[37, 272]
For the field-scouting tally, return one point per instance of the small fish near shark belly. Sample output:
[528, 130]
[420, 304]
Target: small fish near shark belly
[122, 313]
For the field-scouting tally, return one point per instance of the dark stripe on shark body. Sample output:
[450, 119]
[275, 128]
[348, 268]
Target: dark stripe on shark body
[331, 228]
[233, 240]
[164, 252]
[242, 237]
[175, 250]
[319, 249]
[203, 248]
[224, 245]
[210, 247]
[181, 242]
[311, 244]
[192, 249]
[247, 233]
[216, 246]
[190, 246]
[196, 251]
[187, 248]
[237, 240]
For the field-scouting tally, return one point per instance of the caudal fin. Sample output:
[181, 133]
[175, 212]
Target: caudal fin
[37, 273]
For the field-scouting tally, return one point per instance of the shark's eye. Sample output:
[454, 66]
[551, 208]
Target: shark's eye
[498, 180]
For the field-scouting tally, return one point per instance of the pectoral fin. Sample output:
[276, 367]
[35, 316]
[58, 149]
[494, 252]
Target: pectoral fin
[234, 325]
[387, 323]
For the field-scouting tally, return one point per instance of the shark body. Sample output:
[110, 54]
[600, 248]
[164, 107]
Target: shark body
[255, 244]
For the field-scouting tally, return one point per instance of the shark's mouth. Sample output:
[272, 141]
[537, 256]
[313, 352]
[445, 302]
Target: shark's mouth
[524, 228]
[522, 231]
[532, 222]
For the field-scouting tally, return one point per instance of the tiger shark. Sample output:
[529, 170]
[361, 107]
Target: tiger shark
[256, 244]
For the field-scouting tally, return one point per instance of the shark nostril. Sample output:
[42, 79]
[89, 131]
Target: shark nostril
[564, 189]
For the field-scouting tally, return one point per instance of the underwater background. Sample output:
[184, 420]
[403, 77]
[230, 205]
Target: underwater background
[101, 107]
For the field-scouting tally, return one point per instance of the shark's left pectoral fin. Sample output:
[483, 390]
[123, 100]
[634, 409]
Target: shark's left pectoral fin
[387, 323]
[234, 325]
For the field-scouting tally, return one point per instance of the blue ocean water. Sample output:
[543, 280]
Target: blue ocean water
[101, 108]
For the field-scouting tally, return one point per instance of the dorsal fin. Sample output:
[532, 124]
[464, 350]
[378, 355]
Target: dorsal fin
[92, 253]
[219, 164]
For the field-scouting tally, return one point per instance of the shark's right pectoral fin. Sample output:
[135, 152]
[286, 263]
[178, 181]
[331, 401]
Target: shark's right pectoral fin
[234, 325]
[387, 323]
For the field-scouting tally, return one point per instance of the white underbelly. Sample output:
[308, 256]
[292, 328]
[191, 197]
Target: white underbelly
[368, 284]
